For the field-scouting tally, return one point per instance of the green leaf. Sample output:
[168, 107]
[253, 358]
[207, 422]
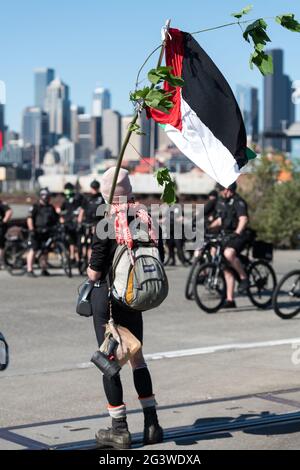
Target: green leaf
[159, 99]
[136, 129]
[160, 74]
[288, 21]
[169, 193]
[243, 12]
[162, 175]
[139, 94]
[154, 77]
[174, 81]
[263, 62]
[257, 31]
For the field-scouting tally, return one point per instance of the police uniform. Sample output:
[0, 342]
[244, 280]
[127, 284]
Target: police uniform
[230, 210]
[90, 206]
[44, 219]
[69, 208]
[3, 227]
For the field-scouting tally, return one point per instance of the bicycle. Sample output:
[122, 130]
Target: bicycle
[14, 256]
[286, 297]
[55, 245]
[210, 286]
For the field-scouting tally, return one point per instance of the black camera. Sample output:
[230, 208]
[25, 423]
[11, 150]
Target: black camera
[106, 361]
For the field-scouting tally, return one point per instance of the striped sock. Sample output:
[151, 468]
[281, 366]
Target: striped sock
[117, 411]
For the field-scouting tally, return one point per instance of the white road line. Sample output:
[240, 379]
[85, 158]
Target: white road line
[211, 350]
[164, 355]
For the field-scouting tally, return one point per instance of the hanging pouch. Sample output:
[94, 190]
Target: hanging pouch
[84, 307]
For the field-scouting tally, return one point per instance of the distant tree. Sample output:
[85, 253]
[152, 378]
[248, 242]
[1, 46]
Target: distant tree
[274, 206]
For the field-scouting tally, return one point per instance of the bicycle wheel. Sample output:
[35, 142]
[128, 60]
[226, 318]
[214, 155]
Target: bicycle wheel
[286, 298]
[189, 286]
[209, 287]
[64, 257]
[14, 258]
[262, 282]
[186, 254]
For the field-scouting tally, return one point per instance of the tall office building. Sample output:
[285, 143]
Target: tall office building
[35, 131]
[247, 98]
[75, 111]
[42, 78]
[111, 131]
[2, 125]
[279, 111]
[101, 101]
[139, 144]
[86, 142]
[57, 105]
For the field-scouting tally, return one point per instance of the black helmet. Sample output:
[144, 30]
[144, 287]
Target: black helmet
[69, 186]
[95, 184]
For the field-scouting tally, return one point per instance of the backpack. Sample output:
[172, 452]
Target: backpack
[138, 277]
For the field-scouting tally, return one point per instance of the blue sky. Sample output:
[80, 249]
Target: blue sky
[96, 42]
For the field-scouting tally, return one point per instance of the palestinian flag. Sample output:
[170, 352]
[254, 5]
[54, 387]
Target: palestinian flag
[205, 123]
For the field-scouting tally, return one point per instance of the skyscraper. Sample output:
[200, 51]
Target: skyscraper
[247, 98]
[35, 131]
[75, 111]
[101, 101]
[57, 105]
[85, 143]
[42, 78]
[278, 107]
[111, 131]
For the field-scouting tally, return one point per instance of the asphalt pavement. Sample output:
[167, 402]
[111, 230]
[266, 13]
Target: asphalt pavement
[212, 374]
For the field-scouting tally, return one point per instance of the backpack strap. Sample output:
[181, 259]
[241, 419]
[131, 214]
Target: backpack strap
[109, 286]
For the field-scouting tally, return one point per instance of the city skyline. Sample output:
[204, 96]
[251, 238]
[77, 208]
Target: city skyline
[95, 61]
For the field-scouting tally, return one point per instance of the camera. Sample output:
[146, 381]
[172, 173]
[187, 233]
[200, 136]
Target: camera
[106, 362]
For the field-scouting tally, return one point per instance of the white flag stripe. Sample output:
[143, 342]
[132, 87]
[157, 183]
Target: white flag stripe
[199, 144]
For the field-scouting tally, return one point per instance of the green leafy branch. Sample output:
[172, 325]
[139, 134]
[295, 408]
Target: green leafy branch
[256, 32]
[154, 96]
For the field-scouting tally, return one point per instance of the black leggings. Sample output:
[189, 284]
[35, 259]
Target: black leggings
[134, 322]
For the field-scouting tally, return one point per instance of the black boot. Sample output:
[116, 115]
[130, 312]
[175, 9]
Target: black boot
[117, 436]
[153, 432]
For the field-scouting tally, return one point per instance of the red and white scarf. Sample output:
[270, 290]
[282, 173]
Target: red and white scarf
[122, 229]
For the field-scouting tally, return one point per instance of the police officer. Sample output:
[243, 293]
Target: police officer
[88, 211]
[90, 205]
[41, 219]
[233, 219]
[5, 216]
[69, 211]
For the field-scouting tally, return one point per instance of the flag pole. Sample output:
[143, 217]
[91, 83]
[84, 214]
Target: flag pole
[135, 118]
